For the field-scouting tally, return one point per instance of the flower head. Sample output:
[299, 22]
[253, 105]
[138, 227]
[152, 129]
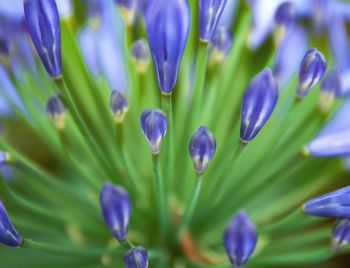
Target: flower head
[259, 101]
[312, 68]
[334, 204]
[221, 43]
[140, 55]
[57, 111]
[240, 239]
[118, 106]
[136, 258]
[127, 9]
[330, 89]
[44, 27]
[341, 233]
[8, 233]
[116, 209]
[154, 126]
[202, 148]
[167, 26]
[209, 14]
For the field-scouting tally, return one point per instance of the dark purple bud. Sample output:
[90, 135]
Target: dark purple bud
[209, 14]
[118, 106]
[4, 46]
[8, 233]
[221, 44]
[57, 111]
[4, 158]
[136, 258]
[312, 68]
[127, 9]
[202, 148]
[330, 90]
[285, 15]
[240, 239]
[116, 209]
[335, 204]
[259, 101]
[43, 23]
[167, 25]
[340, 233]
[154, 126]
[140, 55]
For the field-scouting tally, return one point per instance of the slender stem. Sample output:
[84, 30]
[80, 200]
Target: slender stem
[126, 244]
[67, 251]
[201, 67]
[191, 204]
[161, 197]
[168, 109]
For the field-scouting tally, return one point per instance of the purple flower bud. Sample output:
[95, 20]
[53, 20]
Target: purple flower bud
[330, 145]
[240, 239]
[284, 20]
[285, 15]
[167, 25]
[43, 23]
[57, 111]
[202, 148]
[330, 89]
[136, 258]
[8, 233]
[116, 209]
[127, 9]
[335, 204]
[154, 125]
[118, 106]
[259, 101]
[140, 55]
[221, 43]
[312, 68]
[4, 158]
[340, 233]
[209, 15]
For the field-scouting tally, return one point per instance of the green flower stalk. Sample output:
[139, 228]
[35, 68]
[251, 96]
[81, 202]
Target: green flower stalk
[236, 163]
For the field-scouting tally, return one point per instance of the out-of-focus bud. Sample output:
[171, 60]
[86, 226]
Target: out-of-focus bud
[284, 20]
[154, 126]
[202, 148]
[127, 9]
[136, 258]
[259, 101]
[118, 106]
[5, 158]
[140, 55]
[335, 204]
[167, 25]
[312, 68]
[221, 44]
[330, 90]
[340, 233]
[4, 47]
[116, 209]
[43, 23]
[57, 111]
[209, 14]
[240, 239]
[8, 233]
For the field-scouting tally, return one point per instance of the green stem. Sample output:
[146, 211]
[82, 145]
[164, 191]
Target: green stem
[161, 197]
[191, 205]
[68, 251]
[201, 67]
[169, 157]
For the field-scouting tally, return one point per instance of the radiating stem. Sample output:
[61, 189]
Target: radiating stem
[167, 107]
[126, 244]
[161, 197]
[66, 251]
[191, 204]
[201, 67]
